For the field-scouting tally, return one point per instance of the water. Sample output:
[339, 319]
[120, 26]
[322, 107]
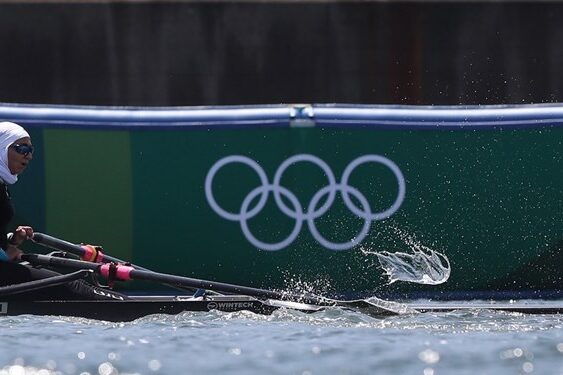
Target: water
[424, 266]
[287, 342]
[421, 265]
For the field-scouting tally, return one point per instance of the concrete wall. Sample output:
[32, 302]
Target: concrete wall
[231, 53]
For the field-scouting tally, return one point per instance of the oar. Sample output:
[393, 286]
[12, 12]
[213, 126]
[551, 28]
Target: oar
[86, 252]
[29, 286]
[124, 273]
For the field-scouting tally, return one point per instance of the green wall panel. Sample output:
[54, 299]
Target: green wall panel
[88, 187]
[483, 187]
[488, 200]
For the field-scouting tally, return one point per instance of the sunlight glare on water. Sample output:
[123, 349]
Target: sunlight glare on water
[334, 341]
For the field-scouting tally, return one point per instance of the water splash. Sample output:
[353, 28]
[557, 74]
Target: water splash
[320, 287]
[422, 265]
[296, 286]
[397, 307]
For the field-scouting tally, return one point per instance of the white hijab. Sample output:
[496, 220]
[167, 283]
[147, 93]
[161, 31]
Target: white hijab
[9, 133]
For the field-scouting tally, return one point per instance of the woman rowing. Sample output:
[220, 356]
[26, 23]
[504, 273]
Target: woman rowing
[16, 152]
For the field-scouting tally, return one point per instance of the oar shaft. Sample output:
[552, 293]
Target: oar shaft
[47, 260]
[58, 244]
[126, 273]
[62, 245]
[137, 274]
[203, 284]
[121, 272]
[42, 283]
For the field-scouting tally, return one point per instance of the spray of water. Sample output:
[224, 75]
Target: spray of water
[421, 265]
[321, 285]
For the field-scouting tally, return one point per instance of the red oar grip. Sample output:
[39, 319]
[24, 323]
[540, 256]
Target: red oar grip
[92, 254]
[116, 271]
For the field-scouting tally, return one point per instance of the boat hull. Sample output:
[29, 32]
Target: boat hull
[138, 307]
[114, 310]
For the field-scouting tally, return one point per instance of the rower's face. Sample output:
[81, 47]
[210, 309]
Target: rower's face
[20, 154]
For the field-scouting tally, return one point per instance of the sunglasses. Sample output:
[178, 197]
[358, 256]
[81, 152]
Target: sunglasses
[23, 149]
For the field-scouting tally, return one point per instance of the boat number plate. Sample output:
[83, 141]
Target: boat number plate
[3, 308]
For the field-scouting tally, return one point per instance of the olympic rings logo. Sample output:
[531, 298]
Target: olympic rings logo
[313, 211]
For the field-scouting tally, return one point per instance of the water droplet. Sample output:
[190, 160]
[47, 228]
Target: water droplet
[105, 368]
[113, 356]
[429, 356]
[154, 364]
[528, 367]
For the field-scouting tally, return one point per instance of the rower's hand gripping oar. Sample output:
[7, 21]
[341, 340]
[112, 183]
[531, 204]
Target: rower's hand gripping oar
[87, 253]
[124, 273]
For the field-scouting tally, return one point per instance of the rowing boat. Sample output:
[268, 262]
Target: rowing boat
[141, 306]
[209, 295]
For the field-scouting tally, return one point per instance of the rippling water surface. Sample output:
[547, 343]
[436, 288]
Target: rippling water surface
[328, 342]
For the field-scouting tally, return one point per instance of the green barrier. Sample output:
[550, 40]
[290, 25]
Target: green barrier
[284, 205]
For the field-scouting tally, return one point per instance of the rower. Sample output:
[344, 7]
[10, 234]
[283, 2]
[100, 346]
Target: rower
[16, 152]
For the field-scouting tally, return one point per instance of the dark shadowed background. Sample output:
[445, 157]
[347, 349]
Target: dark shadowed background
[228, 52]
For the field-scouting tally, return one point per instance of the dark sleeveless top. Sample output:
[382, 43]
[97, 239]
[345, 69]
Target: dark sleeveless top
[6, 214]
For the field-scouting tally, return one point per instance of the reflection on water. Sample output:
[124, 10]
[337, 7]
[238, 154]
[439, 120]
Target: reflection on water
[335, 341]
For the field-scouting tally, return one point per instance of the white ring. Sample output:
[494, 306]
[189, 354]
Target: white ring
[331, 180]
[312, 212]
[244, 225]
[398, 175]
[209, 181]
[356, 240]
